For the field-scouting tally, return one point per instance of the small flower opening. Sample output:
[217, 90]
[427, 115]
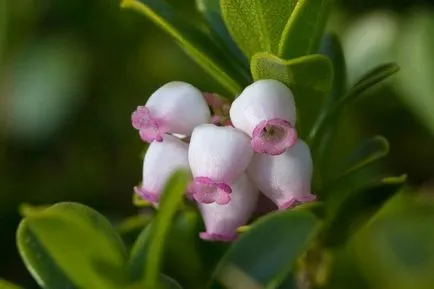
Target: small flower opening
[206, 191]
[273, 136]
[297, 201]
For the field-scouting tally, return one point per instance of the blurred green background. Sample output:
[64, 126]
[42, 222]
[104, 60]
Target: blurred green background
[72, 71]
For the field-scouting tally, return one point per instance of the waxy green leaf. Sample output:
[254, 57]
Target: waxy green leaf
[256, 25]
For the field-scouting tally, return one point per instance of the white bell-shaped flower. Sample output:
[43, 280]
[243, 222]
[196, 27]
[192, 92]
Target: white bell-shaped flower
[222, 221]
[176, 107]
[161, 160]
[265, 110]
[286, 178]
[217, 156]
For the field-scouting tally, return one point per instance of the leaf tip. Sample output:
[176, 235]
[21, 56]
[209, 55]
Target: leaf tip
[397, 180]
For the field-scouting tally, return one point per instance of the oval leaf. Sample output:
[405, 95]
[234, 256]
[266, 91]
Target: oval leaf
[331, 47]
[369, 151]
[373, 77]
[266, 251]
[194, 42]
[323, 147]
[309, 77]
[359, 170]
[256, 25]
[304, 30]
[348, 212]
[169, 204]
[70, 245]
[370, 79]
[210, 9]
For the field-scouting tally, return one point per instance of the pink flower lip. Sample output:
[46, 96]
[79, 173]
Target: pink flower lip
[218, 237]
[288, 204]
[273, 136]
[205, 190]
[294, 201]
[149, 128]
[148, 196]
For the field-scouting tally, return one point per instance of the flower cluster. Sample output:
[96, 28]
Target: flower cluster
[234, 151]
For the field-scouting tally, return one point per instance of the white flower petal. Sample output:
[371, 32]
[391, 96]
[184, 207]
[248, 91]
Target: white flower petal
[180, 105]
[262, 100]
[286, 177]
[222, 221]
[219, 153]
[161, 160]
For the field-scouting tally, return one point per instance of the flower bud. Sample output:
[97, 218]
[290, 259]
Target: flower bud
[222, 221]
[265, 110]
[176, 107]
[285, 178]
[161, 160]
[217, 156]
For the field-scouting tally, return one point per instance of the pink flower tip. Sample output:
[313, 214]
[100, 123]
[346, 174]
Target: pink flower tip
[149, 128]
[206, 191]
[295, 201]
[147, 196]
[273, 136]
[218, 237]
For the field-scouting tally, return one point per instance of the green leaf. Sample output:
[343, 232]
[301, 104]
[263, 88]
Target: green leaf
[322, 149]
[370, 79]
[309, 77]
[395, 250]
[266, 251]
[194, 41]
[348, 211]
[256, 25]
[369, 151]
[360, 169]
[70, 245]
[210, 9]
[184, 265]
[331, 47]
[38, 261]
[136, 263]
[8, 285]
[304, 30]
[414, 45]
[170, 201]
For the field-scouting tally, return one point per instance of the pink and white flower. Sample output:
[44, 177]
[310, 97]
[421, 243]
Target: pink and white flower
[265, 110]
[176, 107]
[222, 221]
[218, 156]
[161, 160]
[286, 178]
